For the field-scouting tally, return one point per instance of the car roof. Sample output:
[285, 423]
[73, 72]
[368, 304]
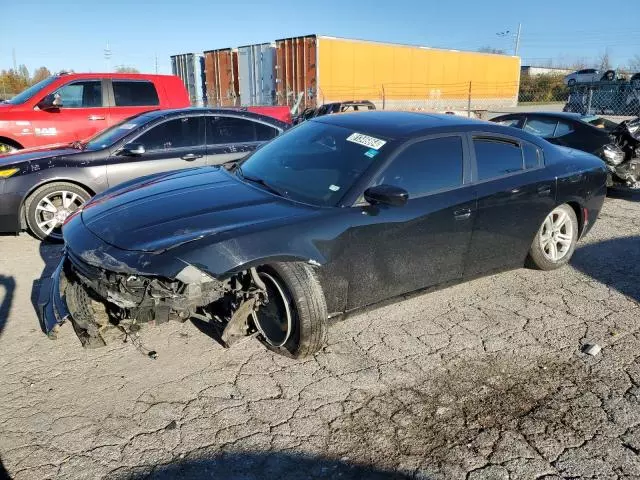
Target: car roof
[175, 112]
[564, 115]
[398, 124]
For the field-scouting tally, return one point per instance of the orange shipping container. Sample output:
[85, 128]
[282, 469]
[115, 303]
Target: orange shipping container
[221, 77]
[327, 69]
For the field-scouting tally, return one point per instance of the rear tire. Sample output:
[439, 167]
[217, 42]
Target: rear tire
[555, 240]
[296, 293]
[48, 207]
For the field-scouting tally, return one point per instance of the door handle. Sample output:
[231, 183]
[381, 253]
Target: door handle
[189, 157]
[462, 214]
[95, 117]
[544, 190]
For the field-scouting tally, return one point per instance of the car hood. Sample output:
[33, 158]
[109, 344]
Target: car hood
[166, 211]
[30, 154]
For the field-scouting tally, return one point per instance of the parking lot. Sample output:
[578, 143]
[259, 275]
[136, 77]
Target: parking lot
[482, 380]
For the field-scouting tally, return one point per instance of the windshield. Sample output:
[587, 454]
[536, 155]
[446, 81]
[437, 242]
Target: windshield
[314, 163]
[31, 91]
[112, 134]
[599, 122]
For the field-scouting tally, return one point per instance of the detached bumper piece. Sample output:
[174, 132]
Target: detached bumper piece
[51, 303]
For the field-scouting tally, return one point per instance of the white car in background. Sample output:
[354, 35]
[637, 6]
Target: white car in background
[585, 75]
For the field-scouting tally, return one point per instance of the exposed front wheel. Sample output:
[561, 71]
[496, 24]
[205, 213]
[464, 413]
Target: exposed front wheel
[556, 239]
[49, 206]
[294, 321]
[6, 148]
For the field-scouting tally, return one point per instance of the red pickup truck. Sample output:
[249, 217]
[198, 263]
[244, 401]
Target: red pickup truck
[73, 107]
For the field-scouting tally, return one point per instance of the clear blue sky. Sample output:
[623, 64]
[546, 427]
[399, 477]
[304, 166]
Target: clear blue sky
[64, 34]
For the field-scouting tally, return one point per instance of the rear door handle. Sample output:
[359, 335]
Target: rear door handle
[189, 157]
[544, 190]
[95, 117]
[462, 214]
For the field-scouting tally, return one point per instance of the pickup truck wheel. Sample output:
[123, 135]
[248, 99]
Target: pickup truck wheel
[49, 206]
[555, 241]
[294, 322]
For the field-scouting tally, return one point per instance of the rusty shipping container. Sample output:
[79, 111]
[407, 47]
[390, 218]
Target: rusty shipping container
[190, 68]
[326, 69]
[256, 72]
[221, 77]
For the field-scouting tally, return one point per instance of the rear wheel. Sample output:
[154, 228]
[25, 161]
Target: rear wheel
[571, 82]
[49, 206]
[556, 239]
[294, 322]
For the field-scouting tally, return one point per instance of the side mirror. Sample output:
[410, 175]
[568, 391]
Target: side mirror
[132, 150]
[51, 101]
[386, 195]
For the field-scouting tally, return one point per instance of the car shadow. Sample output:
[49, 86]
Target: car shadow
[614, 262]
[624, 194]
[7, 291]
[265, 466]
[4, 475]
[51, 254]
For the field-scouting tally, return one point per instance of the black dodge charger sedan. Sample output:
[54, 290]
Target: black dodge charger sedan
[40, 188]
[341, 212]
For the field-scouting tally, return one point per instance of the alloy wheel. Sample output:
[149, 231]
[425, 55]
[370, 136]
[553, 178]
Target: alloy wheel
[274, 320]
[556, 235]
[53, 209]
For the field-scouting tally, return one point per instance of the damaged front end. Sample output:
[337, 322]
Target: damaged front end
[623, 156]
[103, 305]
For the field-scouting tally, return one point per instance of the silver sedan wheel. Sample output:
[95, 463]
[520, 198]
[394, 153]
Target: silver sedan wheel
[556, 235]
[53, 210]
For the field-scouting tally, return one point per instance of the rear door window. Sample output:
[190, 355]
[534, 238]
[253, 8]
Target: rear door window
[222, 130]
[496, 157]
[178, 133]
[427, 166]
[541, 127]
[84, 94]
[135, 93]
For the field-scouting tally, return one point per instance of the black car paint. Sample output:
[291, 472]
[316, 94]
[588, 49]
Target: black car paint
[363, 253]
[584, 137]
[89, 169]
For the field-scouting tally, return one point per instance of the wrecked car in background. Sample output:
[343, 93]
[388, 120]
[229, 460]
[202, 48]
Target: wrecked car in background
[617, 144]
[341, 212]
[40, 188]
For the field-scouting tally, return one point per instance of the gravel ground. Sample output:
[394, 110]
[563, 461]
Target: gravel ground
[482, 380]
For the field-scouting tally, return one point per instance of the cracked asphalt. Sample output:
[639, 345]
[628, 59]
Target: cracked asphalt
[484, 380]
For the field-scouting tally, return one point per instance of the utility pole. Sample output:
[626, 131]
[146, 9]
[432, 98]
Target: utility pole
[107, 57]
[15, 63]
[156, 63]
[518, 39]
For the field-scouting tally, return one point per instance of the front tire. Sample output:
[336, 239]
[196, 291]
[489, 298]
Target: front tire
[294, 322]
[555, 240]
[49, 206]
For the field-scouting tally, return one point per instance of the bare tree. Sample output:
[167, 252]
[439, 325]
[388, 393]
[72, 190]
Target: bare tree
[40, 74]
[634, 63]
[489, 49]
[125, 69]
[604, 61]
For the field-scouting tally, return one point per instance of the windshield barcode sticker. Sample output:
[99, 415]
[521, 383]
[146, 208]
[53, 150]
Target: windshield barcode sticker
[128, 126]
[366, 140]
